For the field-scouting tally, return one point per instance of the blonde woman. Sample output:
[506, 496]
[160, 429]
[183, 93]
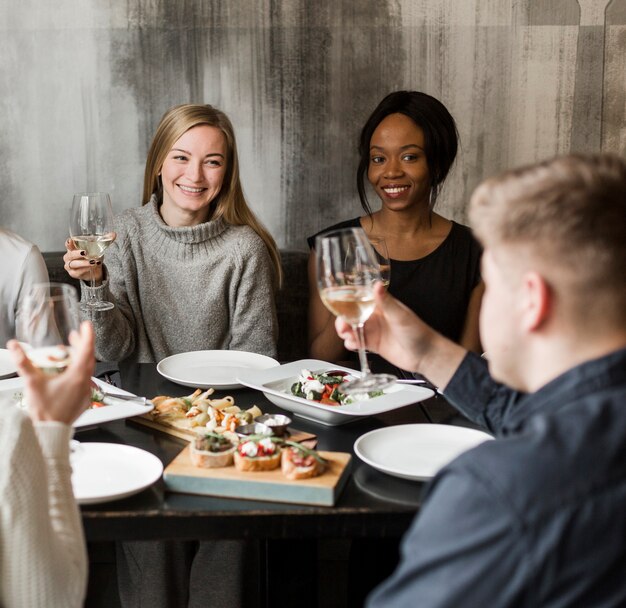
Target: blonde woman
[193, 268]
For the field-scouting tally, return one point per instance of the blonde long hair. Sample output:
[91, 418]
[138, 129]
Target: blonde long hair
[230, 204]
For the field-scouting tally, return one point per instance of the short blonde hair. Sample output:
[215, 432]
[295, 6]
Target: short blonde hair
[230, 203]
[571, 212]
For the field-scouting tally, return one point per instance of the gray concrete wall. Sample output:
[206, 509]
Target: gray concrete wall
[83, 85]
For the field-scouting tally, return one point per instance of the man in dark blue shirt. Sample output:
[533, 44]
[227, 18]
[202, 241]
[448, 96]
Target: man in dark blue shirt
[537, 517]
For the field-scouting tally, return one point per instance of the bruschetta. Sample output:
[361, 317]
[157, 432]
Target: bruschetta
[257, 454]
[212, 450]
[299, 462]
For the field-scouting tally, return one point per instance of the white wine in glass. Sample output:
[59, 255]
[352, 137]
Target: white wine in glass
[354, 304]
[94, 246]
[347, 269]
[91, 229]
[47, 317]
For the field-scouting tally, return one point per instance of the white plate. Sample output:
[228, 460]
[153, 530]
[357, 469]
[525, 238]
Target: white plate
[7, 367]
[90, 418]
[416, 451]
[276, 384]
[212, 368]
[108, 471]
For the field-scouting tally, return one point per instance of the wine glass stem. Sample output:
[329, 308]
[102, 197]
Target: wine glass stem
[92, 284]
[365, 368]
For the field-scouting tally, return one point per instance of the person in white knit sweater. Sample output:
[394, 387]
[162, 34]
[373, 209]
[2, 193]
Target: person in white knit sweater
[193, 268]
[43, 559]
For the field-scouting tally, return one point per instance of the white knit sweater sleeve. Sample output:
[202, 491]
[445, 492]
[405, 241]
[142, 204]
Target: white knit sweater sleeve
[43, 559]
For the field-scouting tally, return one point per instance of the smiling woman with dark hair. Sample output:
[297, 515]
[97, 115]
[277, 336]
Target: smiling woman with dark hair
[407, 148]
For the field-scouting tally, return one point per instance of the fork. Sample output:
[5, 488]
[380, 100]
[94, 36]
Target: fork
[108, 397]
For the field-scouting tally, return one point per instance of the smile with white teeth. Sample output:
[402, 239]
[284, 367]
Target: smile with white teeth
[395, 189]
[190, 189]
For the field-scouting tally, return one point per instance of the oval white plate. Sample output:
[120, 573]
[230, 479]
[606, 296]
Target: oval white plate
[13, 387]
[7, 367]
[276, 384]
[217, 369]
[109, 471]
[416, 451]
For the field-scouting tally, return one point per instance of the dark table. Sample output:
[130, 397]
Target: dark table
[372, 505]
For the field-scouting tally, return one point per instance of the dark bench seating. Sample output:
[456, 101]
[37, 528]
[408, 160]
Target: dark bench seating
[291, 301]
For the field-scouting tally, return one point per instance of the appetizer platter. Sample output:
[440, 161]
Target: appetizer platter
[197, 413]
[309, 389]
[258, 467]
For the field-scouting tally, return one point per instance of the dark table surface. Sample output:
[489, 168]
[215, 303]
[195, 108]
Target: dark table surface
[372, 504]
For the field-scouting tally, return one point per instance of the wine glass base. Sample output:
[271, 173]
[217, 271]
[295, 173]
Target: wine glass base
[96, 306]
[367, 384]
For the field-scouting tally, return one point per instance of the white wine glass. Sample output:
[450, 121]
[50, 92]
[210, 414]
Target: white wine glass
[382, 253]
[46, 318]
[347, 269]
[91, 229]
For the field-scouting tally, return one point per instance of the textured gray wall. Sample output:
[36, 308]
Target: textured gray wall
[83, 85]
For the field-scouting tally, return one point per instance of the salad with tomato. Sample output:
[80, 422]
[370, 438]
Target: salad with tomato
[97, 398]
[324, 388]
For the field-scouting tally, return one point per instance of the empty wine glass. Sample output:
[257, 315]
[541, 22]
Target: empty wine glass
[347, 269]
[91, 229]
[384, 264]
[47, 316]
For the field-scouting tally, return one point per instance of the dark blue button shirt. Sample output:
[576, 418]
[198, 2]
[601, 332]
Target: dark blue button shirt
[537, 517]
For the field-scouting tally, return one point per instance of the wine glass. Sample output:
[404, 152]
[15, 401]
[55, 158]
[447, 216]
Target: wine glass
[347, 269]
[384, 264]
[91, 229]
[47, 316]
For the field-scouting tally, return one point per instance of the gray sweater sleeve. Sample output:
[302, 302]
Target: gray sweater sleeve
[254, 326]
[115, 329]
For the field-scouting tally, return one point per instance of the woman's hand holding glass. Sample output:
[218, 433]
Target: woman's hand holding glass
[62, 397]
[347, 269]
[47, 317]
[91, 232]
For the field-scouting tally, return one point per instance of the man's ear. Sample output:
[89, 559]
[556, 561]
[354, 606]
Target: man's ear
[537, 301]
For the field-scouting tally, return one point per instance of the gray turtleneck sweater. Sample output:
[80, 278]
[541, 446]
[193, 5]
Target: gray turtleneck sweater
[201, 287]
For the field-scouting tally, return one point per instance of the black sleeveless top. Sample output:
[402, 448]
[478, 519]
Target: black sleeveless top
[438, 286]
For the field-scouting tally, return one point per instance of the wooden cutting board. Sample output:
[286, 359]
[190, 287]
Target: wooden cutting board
[182, 476]
[309, 439]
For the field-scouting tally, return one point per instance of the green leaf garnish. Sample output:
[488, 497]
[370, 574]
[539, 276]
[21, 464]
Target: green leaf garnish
[306, 451]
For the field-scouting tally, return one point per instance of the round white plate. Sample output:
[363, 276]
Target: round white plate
[7, 367]
[217, 369]
[109, 471]
[416, 451]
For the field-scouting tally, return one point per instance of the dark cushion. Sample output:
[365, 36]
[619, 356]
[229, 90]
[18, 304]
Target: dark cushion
[292, 300]
[292, 304]
[56, 272]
